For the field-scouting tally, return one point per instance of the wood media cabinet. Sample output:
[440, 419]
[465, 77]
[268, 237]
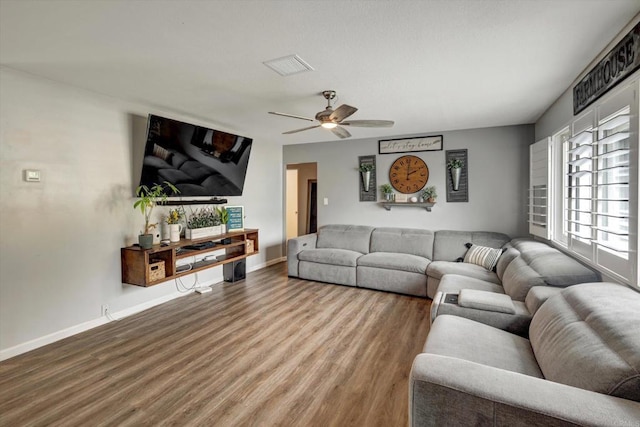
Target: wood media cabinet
[148, 267]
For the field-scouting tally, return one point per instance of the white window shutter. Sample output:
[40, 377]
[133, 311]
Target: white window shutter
[539, 185]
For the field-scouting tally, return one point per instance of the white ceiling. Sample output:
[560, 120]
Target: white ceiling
[429, 65]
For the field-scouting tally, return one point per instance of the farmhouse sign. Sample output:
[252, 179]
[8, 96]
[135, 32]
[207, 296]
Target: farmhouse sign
[620, 62]
[410, 145]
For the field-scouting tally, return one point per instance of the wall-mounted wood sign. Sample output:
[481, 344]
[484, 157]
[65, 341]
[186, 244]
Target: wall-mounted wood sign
[622, 61]
[410, 145]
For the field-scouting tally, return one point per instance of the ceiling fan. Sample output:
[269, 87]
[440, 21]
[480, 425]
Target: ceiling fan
[333, 119]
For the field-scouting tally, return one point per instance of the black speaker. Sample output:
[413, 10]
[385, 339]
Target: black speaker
[234, 271]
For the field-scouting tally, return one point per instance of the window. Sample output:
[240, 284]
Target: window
[594, 186]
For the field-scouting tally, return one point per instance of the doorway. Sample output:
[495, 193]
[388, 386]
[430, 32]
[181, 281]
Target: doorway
[301, 199]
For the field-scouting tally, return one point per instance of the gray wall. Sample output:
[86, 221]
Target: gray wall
[498, 179]
[61, 238]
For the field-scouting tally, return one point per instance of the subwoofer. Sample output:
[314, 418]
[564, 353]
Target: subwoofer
[234, 271]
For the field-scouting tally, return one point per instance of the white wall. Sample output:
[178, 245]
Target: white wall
[61, 238]
[498, 178]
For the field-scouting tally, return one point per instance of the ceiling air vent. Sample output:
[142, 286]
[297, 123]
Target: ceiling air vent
[288, 65]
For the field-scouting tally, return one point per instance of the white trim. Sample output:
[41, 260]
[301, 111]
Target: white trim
[103, 320]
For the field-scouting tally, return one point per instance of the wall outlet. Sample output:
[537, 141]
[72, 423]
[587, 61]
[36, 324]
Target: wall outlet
[105, 309]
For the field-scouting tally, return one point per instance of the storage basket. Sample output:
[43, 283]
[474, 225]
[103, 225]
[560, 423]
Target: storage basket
[156, 270]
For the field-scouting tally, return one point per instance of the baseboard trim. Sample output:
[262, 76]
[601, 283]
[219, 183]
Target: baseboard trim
[82, 327]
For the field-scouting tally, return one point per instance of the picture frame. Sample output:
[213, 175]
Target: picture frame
[411, 145]
[236, 218]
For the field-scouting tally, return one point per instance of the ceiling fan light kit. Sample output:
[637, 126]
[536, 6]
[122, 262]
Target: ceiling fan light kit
[333, 119]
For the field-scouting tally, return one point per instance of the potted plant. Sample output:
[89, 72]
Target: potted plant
[365, 171]
[224, 218]
[203, 222]
[429, 194]
[387, 191]
[148, 198]
[455, 166]
[173, 220]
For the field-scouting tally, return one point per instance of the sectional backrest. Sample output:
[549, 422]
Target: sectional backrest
[352, 237]
[411, 241]
[449, 245]
[588, 336]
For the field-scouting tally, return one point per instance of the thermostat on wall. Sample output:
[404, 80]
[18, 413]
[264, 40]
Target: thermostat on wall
[31, 175]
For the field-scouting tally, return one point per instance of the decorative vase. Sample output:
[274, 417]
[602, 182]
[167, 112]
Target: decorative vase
[455, 176]
[145, 241]
[366, 180]
[174, 232]
[388, 197]
[431, 200]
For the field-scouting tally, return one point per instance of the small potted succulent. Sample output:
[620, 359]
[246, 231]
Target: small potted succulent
[148, 198]
[224, 218]
[429, 194]
[365, 171]
[387, 191]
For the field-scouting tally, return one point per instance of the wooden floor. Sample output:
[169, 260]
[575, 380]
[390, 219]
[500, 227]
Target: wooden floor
[267, 351]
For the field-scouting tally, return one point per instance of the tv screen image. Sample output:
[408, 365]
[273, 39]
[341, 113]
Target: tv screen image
[199, 161]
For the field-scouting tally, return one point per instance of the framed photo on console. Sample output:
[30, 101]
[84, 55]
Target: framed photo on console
[236, 218]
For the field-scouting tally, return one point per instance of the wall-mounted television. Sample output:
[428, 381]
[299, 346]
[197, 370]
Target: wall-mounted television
[199, 161]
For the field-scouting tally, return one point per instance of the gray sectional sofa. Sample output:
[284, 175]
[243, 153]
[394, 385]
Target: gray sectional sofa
[421, 262]
[580, 366]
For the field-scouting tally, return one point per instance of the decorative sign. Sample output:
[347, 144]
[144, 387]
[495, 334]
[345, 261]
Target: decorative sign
[618, 64]
[461, 194]
[370, 194]
[236, 218]
[410, 145]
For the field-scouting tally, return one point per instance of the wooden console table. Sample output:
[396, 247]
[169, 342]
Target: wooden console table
[143, 267]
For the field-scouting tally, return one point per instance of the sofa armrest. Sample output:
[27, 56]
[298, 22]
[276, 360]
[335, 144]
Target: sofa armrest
[445, 390]
[294, 247]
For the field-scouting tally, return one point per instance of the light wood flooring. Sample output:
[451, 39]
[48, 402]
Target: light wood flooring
[266, 351]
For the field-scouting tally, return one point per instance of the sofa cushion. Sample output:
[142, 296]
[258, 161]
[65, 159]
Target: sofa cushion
[393, 261]
[437, 269]
[518, 278]
[403, 240]
[484, 300]
[466, 339]
[483, 256]
[454, 283]
[342, 257]
[588, 336]
[505, 259]
[449, 245]
[352, 237]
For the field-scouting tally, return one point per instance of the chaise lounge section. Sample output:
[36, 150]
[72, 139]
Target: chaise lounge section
[580, 365]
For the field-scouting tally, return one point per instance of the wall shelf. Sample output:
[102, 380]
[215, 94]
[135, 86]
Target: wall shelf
[137, 262]
[425, 205]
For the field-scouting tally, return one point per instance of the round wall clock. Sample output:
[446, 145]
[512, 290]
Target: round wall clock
[408, 174]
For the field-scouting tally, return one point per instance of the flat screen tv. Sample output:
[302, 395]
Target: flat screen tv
[199, 161]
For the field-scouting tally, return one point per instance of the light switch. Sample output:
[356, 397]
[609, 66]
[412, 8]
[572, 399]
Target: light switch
[31, 175]
[326, 201]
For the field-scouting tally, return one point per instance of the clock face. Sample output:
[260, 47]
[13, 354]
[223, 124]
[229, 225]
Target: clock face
[408, 174]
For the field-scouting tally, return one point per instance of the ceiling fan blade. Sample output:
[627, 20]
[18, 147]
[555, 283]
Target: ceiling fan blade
[300, 130]
[342, 112]
[340, 132]
[290, 115]
[369, 123]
